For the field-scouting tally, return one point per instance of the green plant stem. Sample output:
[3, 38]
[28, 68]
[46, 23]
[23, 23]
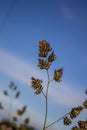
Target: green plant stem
[46, 103]
[10, 106]
[57, 120]
[43, 94]
[51, 80]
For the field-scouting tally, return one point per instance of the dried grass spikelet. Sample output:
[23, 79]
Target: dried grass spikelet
[44, 48]
[24, 108]
[22, 127]
[5, 92]
[36, 85]
[15, 87]
[75, 111]
[42, 64]
[43, 53]
[26, 121]
[19, 112]
[85, 104]
[82, 124]
[75, 128]
[14, 126]
[85, 91]
[51, 57]
[58, 75]
[14, 118]
[11, 84]
[39, 90]
[17, 94]
[67, 121]
[1, 107]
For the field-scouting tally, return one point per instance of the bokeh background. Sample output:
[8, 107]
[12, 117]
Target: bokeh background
[23, 23]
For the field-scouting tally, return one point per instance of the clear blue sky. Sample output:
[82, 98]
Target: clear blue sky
[23, 23]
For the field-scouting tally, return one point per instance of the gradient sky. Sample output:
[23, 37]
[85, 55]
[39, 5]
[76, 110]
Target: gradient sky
[23, 23]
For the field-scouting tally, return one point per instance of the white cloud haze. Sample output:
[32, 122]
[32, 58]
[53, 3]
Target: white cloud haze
[10, 112]
[23, 71]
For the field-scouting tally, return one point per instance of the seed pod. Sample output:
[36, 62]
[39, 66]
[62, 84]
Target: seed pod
[52, 57]
[58, 75]
[67, 121]
[44, 48]
[42, 64]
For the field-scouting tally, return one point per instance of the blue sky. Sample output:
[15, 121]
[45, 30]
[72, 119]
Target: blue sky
[23, 23]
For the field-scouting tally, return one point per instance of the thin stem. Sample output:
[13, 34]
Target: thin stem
[46, 97]
[57, 120]
[43, 94]
[10, 104]
[51, 80]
